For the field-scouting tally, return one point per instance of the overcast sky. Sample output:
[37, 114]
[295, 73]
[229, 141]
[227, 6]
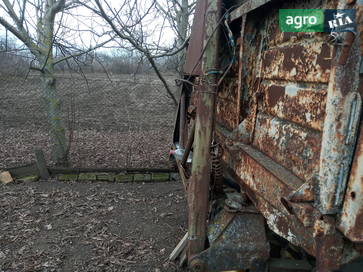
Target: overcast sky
[85, 29]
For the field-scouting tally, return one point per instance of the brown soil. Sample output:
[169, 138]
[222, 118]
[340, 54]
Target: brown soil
[118, 123]
[57, 226]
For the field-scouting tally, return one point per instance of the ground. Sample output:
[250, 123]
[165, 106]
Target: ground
[57, 226]
[87, 226]
[119, 121]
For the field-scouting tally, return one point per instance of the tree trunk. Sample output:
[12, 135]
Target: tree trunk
[55, 120]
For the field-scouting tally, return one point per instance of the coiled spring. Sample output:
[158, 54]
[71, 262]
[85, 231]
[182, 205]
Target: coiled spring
[217, 169]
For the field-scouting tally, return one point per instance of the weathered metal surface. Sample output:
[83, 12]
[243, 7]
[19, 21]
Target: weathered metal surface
[340, 129]
[261, 174]
[303, 62]
[304, 194]
[192, 64]
[289, 102]
[329, 245]
[292, 146]
[227, 113]
[268, 185]
[286, 226]
[304, 212]
[302, 226]
[246, 7]
[239, 242]
[227, 107]
[182, 119]
[198, 190]
[287, 115]
[188, 146]
[351, 218]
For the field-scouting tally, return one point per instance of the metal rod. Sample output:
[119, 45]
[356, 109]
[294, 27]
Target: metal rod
[188, 146]
[198, 193]
[182, 119]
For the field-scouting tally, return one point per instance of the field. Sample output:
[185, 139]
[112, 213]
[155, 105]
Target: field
[89, 226]
[118, 122]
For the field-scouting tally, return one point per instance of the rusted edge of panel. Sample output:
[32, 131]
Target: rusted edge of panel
[247, 7]
[270, 165]
[351, 217]
[240, 69]
[283, 224]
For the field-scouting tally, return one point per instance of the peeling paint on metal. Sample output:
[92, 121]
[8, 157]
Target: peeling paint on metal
[351, 218]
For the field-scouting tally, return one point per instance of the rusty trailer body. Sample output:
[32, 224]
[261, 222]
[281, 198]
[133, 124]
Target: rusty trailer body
[286, 120]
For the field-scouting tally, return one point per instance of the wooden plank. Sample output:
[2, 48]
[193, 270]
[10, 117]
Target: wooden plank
[247, 7]
[41, 164]
[179, 248]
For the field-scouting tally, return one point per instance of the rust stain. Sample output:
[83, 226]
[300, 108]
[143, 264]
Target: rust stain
[303, 62]
[278, 219]
[193, 64]
[328, 244]
[351, 219]
[325, 56]
[275, 93]
[293, 147]
[347, 46]
[303, 106]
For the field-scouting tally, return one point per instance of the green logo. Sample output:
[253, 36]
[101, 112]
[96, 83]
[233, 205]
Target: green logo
[301, 20]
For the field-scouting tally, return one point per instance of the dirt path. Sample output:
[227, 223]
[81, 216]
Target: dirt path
[55, 226]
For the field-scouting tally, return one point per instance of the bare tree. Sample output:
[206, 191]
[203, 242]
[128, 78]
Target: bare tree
[134, 24]
[179, 14]
[38, 25]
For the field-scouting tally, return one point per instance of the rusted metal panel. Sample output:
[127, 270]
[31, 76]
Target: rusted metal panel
[283, 113]
[351, 218]
[304, 194]
[278, 219]
[261, 174]
[289, 102]
[328, 245]
[227, 107]
[286, 226]
[240, 243]
[267, 183]
[227, 113]
[276, 37]
[292, 146]
[192, 64]
[340, 129]
[303, 62]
